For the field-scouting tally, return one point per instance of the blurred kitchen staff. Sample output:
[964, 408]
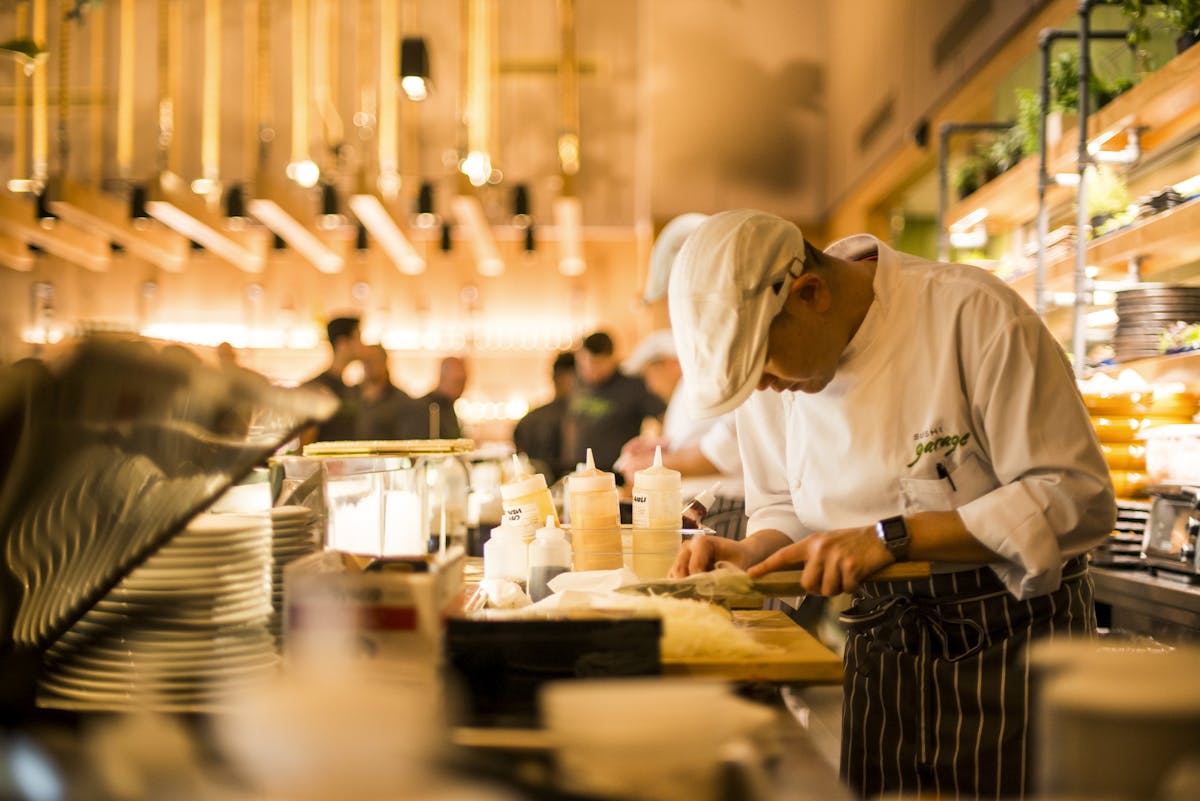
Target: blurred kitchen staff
[918, 410]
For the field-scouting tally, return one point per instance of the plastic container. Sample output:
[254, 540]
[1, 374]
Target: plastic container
[526, 501]
[595, 518]
[506, 555]
[1173, 454]
[549, 555]
[657, 497]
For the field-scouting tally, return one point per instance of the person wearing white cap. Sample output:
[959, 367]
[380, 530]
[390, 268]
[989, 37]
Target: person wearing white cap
[905, 409]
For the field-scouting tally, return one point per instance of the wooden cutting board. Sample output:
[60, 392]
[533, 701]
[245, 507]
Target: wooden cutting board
[800, 657]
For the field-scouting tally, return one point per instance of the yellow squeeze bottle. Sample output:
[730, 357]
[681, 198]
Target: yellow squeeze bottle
[657, 495]
[526, 501]
[595, 518]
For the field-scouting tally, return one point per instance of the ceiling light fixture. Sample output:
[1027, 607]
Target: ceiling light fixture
[469, 213]
[425, 215]
[331, 214]
[414, 68]
[568, 218]
[299, 238]
[78, 247]
[374, 216]
[91, 209]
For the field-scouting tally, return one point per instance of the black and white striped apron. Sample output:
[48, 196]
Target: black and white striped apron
[937, 681]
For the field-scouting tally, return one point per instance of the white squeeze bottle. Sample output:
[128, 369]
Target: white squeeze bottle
[549, 555]
[595, 518]
[526, 501]
[505, 554]
[657, 496]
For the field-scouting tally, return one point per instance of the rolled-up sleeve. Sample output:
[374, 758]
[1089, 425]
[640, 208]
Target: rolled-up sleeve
[761, 425]
[1055, 498]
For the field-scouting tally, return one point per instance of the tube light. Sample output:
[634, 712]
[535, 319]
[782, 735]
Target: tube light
[469, 212]
[302, 240]
[371, 212]
[970, 220]
[568, 218]
[91, 209]
[198, 231]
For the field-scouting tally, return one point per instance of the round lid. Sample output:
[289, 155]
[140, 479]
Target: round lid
[389, 447]
[657, 477]
[591, 478]
[522, 485]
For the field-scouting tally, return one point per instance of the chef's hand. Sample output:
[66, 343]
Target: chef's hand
[834, 561]
[701, 552]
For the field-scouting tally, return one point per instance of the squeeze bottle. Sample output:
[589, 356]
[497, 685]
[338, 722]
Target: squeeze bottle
[505, 555]
[549, 555]
[595, 518]
[656, 520]
[526, 501]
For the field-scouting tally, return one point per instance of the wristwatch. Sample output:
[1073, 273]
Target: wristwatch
[893, 533]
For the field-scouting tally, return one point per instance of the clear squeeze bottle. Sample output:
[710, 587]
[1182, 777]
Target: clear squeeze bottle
[595, 518]
[526, 501]
[657, 495]
[549, 555]
[693, 514]
[505, 555]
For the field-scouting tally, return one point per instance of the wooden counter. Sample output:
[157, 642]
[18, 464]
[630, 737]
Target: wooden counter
[802, 658]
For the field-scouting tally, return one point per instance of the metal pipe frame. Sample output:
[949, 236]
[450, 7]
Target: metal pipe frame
[947, 130]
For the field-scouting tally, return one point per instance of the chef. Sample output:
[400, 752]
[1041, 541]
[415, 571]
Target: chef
[906, 410]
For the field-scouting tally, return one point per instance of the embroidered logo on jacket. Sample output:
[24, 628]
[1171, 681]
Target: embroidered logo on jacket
[934, 441]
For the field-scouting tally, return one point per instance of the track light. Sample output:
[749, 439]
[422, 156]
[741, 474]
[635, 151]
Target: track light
[446, 242]
[137, 204]
[414, 68]
[520, 205]
[425, 216]
[235, 207]
[375, 217]
[361, 243]
[331, 214]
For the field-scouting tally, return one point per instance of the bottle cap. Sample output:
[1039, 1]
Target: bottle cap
[550, 531]
[657, 477]
[522, 485]
[506, 532]
[706, 497]
[591, 479]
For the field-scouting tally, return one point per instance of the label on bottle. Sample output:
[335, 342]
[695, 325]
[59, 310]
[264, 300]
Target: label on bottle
[641, 510]
[524, 516]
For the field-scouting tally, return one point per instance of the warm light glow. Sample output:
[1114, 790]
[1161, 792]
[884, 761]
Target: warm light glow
[302, 240]
[306, 173]
[477, 166]
[969, 221]
[202, 186]
[1068, 179]
[1188, 186]
[380, 224]
[472, 410]
[469, 212]
[568, 218]
[415, 87]
[568, 153]
[1104, 318]
[213, 334]
[180, 221]
[972, 239]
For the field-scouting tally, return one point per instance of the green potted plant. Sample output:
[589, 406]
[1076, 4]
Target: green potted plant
[1184, 18]
[1137, 12]
[968, 176]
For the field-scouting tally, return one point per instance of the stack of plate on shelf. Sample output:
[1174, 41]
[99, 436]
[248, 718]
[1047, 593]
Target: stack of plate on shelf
[1124, 547]
[293, 535]
[179, 631]
[1144, 313]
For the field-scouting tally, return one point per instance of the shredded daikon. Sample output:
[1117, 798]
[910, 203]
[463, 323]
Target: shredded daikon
[695, 629]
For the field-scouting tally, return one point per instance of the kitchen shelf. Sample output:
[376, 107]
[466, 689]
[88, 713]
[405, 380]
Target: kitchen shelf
[1164, 241]
[1166, 105]
[1183, 367]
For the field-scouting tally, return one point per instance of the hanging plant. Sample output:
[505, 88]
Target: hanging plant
[1184, 18]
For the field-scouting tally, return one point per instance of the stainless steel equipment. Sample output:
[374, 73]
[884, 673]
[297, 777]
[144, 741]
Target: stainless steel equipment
[1169, 548]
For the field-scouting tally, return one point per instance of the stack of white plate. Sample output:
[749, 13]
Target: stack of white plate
[292, 536]
[179, 631]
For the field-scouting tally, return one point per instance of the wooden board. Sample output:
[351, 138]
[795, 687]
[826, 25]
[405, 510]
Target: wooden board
[801, 657]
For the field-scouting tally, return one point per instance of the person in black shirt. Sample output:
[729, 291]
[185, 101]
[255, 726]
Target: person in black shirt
[452, 380]
[610, 408]
[344, 338]
[384, 410]
[540, 433]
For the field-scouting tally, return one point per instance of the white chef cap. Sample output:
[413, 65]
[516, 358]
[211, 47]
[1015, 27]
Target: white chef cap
[666, 247]
[658, 345]
[729, 281]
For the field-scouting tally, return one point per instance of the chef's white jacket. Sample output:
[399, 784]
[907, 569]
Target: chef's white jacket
[949, 367]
